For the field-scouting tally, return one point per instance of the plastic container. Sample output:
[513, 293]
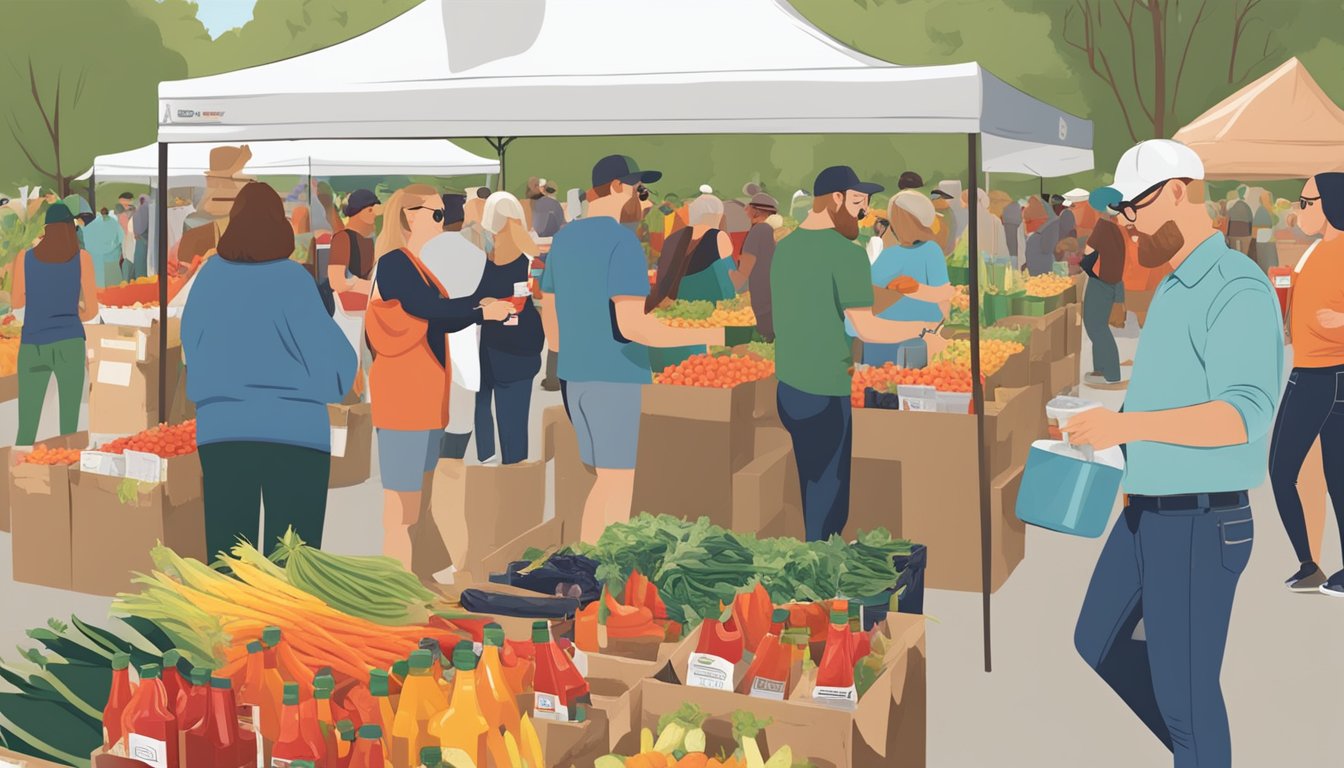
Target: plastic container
[916, 397]
[1060, 409]
[954, 402]
[1067, 491]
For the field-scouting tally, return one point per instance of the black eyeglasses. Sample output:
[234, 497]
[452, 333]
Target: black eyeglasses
[881, 226]
[1305, 202]
[1130, 208]
[438, 212]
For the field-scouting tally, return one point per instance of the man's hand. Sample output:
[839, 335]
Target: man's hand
[1328, 318]
[496, 310]
[1099, 428]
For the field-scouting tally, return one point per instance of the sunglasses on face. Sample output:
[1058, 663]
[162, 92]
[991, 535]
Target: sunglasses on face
[643, 192]
[438, 212]
[1130, 208]
[1305, 202]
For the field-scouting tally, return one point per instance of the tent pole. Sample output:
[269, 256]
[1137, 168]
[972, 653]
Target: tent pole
[93, 191]
[161, 233]
[977, 385]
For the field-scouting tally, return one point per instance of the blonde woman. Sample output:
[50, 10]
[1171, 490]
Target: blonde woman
[697, 261]
[409, 318]
[510, 351]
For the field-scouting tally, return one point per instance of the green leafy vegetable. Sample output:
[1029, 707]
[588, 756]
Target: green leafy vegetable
[747, 726]
[687, 714]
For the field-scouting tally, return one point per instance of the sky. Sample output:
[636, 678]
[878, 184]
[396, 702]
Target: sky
[220, 16]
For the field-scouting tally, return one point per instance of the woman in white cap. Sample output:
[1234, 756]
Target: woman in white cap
[913, 265]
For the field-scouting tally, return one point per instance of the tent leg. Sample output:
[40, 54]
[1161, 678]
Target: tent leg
[161, 232]
[93, 191]
[977, 386]
[501, 146]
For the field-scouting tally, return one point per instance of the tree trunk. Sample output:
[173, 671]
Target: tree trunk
[1158, 11]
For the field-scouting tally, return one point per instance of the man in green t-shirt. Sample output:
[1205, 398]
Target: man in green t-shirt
[820, 278]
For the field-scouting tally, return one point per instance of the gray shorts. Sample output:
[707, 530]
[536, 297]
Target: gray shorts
[606, 421]
[405, 456]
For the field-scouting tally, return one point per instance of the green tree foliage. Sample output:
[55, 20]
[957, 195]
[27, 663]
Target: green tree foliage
[77, 80]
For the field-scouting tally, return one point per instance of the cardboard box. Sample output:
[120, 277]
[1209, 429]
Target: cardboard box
[7, 457]
[124, 381]
[571, 745]
[1010, 545]
[614, 684]
[1016, 372]
[1048, 338]
[1064, 374]
[573, 479]
[887, 728]
[114, 533]
[351, 444]
[692, 440]
[759, 491]
[18, 760]
[1073, 329]
[41, 523]
[765, 400]
[474, 510]
[6, 460]
[9, 387]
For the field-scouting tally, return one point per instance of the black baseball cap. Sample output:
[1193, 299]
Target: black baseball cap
[910, 180]
[623, 168]
[454, 208]
[841, 178]
[939, 194]
[359, 200]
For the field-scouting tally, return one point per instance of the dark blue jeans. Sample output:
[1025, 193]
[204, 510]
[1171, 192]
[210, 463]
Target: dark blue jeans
[1178, 572]
[512, 401]
[822, 429]
[1313, 405]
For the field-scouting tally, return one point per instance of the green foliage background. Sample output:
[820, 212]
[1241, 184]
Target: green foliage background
[122, 48]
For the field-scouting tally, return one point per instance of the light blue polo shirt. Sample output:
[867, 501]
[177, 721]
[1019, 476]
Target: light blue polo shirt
[1213, 332]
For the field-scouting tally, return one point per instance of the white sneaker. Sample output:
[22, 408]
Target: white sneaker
[493, 461]
[446, 575]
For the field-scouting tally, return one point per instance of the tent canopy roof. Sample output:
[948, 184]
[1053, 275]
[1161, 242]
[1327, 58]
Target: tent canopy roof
[611, 67]
[1282, 126]
[316, 157]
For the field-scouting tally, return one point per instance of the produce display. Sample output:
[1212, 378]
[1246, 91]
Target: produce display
[1019, 334]
[1048, 284]
[9, 355]
[962, 298]
[166, 440]
[945, 376]
[43, 455]
[716, 370]
[681, 743]
[734, 312]
[993, 354]
[143, 292]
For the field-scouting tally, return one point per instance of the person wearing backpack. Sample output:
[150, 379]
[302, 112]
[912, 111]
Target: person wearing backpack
[351, 260]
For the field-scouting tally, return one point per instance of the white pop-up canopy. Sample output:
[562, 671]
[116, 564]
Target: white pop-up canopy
[321, 157]
[615, 67]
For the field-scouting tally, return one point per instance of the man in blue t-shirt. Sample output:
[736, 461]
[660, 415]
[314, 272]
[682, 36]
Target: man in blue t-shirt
[594, 286]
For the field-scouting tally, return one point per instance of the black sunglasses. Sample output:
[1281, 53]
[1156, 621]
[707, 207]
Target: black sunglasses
[881, 226]
[1130, 208]
[1304, 202]
[438, 212]
[643, 192]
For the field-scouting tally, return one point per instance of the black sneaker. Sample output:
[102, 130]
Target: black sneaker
[1307, 579]
[1334, 587]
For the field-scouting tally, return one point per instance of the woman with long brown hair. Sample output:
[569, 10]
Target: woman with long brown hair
[409, 318]
[55, 285]
[263, 359]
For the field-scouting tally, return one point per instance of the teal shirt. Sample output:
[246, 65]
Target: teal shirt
[102, 239]
[1213, 332]
[926, 264]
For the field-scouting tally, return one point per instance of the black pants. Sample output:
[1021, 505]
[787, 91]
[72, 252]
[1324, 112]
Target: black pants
[822, 429]
[1313, 405]
[237, 475]
[512, 403]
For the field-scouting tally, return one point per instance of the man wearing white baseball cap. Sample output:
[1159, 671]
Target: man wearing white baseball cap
[1195, 427]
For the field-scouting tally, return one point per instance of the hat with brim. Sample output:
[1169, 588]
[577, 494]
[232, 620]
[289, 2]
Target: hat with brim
[842, 178]
[763, 202]
[359, 200]
[1104, 199]
[939, 194]
[58, 213]
[624, 169]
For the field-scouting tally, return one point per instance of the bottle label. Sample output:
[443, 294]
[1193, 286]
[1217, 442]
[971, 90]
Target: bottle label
[116, 750]
[830, 694]
[280, 762]
[708, 671]
[765, 688]
[151, 752]
[547, 706]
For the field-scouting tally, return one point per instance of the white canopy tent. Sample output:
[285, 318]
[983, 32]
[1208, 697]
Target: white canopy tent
[402, 157]
[504, 69]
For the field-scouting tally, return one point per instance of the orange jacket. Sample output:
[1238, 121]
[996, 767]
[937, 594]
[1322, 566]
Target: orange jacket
[408, 386]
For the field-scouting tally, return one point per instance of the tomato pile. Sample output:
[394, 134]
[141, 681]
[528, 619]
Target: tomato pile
[52, 456]
[723, 371]
[166, 440]
[945, 377]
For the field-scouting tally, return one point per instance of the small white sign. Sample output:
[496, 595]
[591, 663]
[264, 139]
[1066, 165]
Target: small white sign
[115, 374]
[339, 437]
[145, 467]
[102, 463]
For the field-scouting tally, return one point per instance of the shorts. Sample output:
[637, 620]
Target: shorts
[606, 421]
[404, 456]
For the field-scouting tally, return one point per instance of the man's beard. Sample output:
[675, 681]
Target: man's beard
[845, 223]
[632, 211]
[1161, 247]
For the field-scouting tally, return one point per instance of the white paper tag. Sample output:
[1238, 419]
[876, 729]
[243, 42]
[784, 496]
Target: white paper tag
[829, 695]
[1283, 281]
[115, 374]
[765, 688]
[546, 706]
[706, 671]
[151, 752]
[339, 437]
[581, 662]
[141, 341]
[100, 463]
[145, 467]
[119, 344]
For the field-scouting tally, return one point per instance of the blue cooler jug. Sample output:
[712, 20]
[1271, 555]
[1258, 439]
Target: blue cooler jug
[1065, 490]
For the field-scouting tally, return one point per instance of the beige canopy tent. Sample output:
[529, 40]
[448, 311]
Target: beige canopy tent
[1282, 126]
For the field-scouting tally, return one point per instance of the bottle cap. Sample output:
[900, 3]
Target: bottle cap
[270, 636]
[378, 683]
[494, 635]
[221, 683]
[779, 616]
[400, 668]
[150, 672]
[321, 694]
[420, 661]
[431, 756]
[255, 647]
[346, 729]
[171, 657]
[541, 632]
[291, 694]
[324, 680]
[199, 677]
[121, 661]
[464, 658]
[370, 732]
[302, 764]
[839, 616]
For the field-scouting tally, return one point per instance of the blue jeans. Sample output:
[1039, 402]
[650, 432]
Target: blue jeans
[1098, 299]
[822, 429]
[512, 401]
[1178, 572]
[1313, 406]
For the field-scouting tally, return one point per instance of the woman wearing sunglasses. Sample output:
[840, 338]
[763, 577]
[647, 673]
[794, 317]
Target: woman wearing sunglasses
[409, 318]
[1313, 404]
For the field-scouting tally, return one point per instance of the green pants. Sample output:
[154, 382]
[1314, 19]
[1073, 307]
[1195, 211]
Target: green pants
[37, 364]
[237, 475]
